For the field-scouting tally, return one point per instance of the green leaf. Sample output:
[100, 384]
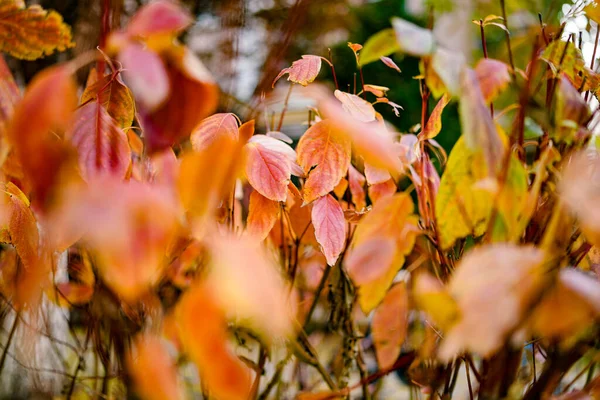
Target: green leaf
[381, 44]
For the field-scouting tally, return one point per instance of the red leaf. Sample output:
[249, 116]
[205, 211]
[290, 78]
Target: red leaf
[101, 145]
[302, 71]
[215, 125]
[159, 17]
[324, 154]
[330, 227]
[493, 76]
[390, 324]
[269, 166]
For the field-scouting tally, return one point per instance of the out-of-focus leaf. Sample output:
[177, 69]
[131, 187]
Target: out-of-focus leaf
[392, 218]
[302, 71]
[153, 370]
[269, 165]
[390, 325]
[246, 130]
[571, 111]
[592, 11]
[209, 128]
[160, 17]
[249, 286]
[413, 39]
[323, 154]
[381, 44]
[356, 181]
[360, 109]
[262, 215]
[433, 298]
[68, 294]
[378, 91]
[102, 146]
[34, 140]
[478, 128]
[330, 227]
[31, 32]
[568, 60]
[22, 225]
[10, 95]
[369, 261]
[492, 286]
[434, 123]
[449, 66]
[202, 330]
[114, 96]
[568, 308]
[493, 76]
[382, 190]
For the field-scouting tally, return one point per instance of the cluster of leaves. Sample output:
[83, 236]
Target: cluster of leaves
[183, 237]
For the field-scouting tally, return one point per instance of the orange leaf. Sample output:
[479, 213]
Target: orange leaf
[269, 166]
[153, 370]
[34, 139]
[302, 71]
[493, 76]
[360, 109]
[356, 182]
[203, 333]
[434, 123]
[248, 285]
[159, 18]
[262, 215]
[101, 145]
[68, 294]
[382, 190]
[10, 95]
[215, 125]
[32, 32]
[370, 259]
[324, 154]
[390, 325]
[376, 175]
[114, 96]
[493, 287]
[246, 131]
[392, 218]
[22, 226]
[330, 227]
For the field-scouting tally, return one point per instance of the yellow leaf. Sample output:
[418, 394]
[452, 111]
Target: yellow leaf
[32, 32]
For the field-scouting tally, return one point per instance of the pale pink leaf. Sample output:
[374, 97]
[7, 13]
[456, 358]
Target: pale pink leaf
[330, 227]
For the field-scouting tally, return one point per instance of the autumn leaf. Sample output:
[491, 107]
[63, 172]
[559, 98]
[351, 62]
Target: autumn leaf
[367, 262]
[330, 227]
[30, 136]
[478, 128]
[31, 32]
[323, 154]
[10, 95]
[202, 329]
[114, 96]
[413, 39]
[571, 111]
[375, 175]
[262, 215]
[160, 17]
[68, 294]
[246, 130]
[392, 218]
[390, 63]
[302, 71]
[493, 77]
[356, 182]
[248, 285]
[592, 11]
[21, 226]
[269, 165]
[434, 123]
[215, 125]
[382, 190]
[433, 298]
[390, 325]
[102, 146]
[381, 44]
[358, 108]
[493, 286]
[153, 370]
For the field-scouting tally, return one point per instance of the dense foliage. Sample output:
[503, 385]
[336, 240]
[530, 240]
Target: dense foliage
[155, 248]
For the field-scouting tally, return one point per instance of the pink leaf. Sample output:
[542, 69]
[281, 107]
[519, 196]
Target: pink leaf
[215, 125]
[330, 227]
[388, 61]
